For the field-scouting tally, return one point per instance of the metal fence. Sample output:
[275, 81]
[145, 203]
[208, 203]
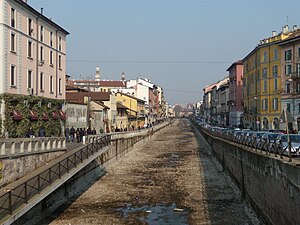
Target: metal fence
[11, 199]
[269, 147]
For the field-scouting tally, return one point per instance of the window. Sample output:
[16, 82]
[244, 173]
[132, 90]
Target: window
[288, 69]
[275, 71]
[51, 39]
[288, 55]
[288, 107]
[59, 47]
[298, 52]
[275, 84]
[13, 17]
[297, 87]
[29, 79]
[42, 81]
[51, 84]
[265, 104]
[30, 30]
[59, 62]
[298, 69]
[265, 86]
[59, 86]
[265, 57]
[42, 54]
[275, 53]
[29, 49]
[42, 34]
[13, 42]
[13, 75]
[288, 88]
[51, 58]
[264, 73]
[275, 103]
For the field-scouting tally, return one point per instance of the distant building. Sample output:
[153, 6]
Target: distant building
[235, 102]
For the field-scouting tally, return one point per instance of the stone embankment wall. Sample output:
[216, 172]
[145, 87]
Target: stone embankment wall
[271, 184]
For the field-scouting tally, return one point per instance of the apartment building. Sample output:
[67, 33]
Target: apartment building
[290, 79]
[32, 52]
[235, 93]
[32, 65]
[262, 82]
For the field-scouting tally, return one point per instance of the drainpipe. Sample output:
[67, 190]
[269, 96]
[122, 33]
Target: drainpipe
[37, 56]
[56, 72]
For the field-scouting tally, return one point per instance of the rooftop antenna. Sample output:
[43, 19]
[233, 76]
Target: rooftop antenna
[287, 20]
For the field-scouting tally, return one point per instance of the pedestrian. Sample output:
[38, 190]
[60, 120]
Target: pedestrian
[78, 135]
[94, 132]
[30, 133]
[89, 131]
[72, 134]
[67, 133]
[81, 134]
[42, 132]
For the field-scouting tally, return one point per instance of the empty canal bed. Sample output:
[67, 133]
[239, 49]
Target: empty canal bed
[169, 179]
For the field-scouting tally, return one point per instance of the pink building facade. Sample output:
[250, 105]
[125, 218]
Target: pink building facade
[32, 52]
[235, 94]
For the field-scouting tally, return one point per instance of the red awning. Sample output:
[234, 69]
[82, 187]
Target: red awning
[55, 115]
[16, 115]
[33, 115]
[45, 116]
[62, 115]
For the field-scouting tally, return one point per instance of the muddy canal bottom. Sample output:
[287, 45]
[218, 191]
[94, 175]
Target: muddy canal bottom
[156, 214]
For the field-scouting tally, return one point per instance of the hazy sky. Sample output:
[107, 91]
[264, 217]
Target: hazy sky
[181, 45]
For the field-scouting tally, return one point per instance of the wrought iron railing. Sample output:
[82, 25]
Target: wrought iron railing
[12, 198]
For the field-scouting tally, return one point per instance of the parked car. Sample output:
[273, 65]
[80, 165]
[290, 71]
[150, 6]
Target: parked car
[267, 140]
[283, 139]
[257, 135]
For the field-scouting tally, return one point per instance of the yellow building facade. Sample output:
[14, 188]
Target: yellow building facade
[262, 84]
[135, 109]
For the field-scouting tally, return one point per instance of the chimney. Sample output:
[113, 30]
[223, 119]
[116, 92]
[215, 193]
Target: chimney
[274, 33]
[295, 27]
[42, 11]
[285, 29]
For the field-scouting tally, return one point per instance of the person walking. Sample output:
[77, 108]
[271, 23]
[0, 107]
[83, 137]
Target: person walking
[67, 133]
[30, 133]
[72, 134]
[42, 132]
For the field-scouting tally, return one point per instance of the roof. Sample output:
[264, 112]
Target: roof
[239, 62]
[293, 37]
[31, 9]
[72, 87]
[78, 97]
[101, 104]
[130, 96]
[102, 83]
[121, 106]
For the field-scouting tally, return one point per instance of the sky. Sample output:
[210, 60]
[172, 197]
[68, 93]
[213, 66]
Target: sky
[180, 45]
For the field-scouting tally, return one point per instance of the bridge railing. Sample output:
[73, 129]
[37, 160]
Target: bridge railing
[12, 146]
[14, 197]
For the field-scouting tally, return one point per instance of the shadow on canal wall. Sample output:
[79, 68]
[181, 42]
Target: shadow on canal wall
[270, 184]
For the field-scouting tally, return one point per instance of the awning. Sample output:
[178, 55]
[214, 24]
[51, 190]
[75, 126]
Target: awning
[62, 115]
[45, 117]
[55, 115]
[33, 115]
[16, 115]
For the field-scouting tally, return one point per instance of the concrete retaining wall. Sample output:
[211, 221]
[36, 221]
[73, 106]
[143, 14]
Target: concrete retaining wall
[270, 184]
[12, 169]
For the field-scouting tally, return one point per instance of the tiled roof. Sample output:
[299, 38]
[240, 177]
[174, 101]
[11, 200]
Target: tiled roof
[102, 83]
[78, 97]
[139, 100]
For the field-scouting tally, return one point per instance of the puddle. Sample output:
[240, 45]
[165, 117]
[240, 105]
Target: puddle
[157, 214]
